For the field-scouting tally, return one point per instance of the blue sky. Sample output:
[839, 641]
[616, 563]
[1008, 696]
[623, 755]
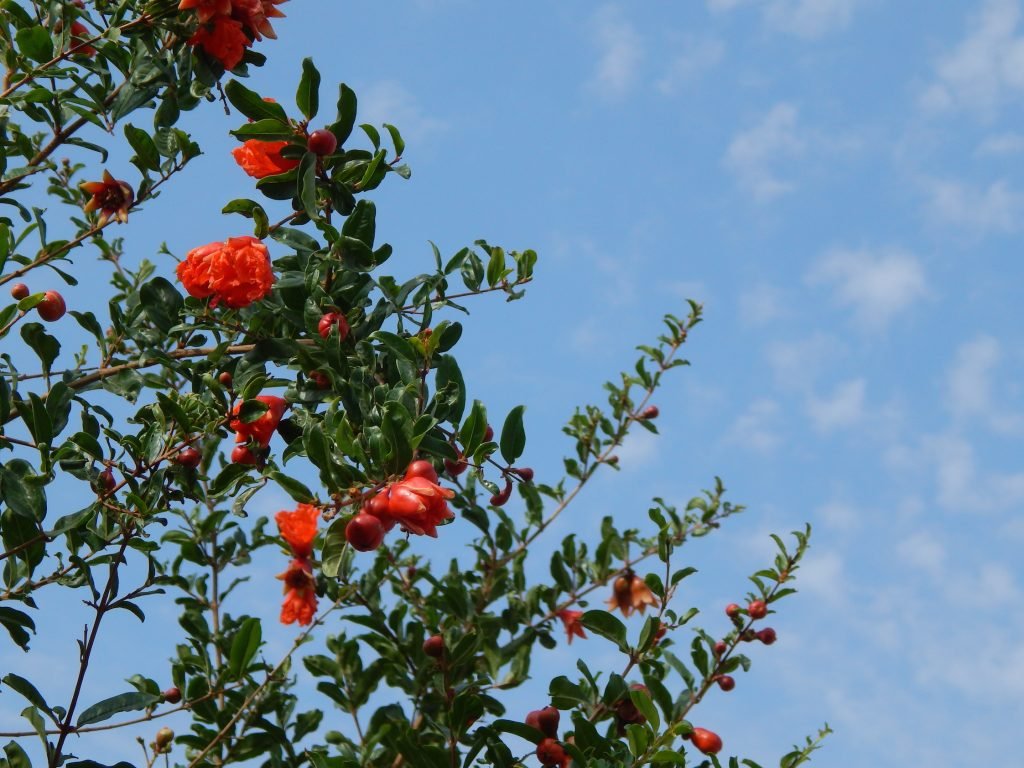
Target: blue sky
[839, 181]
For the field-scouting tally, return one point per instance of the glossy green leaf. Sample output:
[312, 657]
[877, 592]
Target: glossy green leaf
[307, 99]
[513, 435]
[244, 647]
[123, 702]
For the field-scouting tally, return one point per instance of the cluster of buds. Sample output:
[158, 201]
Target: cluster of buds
[550, 752]
[417, 504]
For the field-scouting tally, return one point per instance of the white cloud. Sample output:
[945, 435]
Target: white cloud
[969, 381]
[993, 209]
[839, 515]
[821, 573]
[809, 19]
[696, 58]
[752, 154]
[961, 486]
[388, 101]
[761, 305]
[620, 49]
[969, 387]
[797, 364]
[924, 551]
[1002, 144]
[876, 285]
[985, 68]
[845, 408]
[638, 449]
[756, 428]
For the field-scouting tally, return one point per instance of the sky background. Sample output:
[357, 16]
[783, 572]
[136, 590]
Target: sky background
[839, 182]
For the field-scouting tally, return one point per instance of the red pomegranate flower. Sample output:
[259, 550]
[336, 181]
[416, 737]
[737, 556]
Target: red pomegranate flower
[419, 505]
[111, 197]
[261, 429]
[223, 39]
[255, 15]
[571, 620]
[237, 271]
[206, 9]
[263, 158]
[298, 528]
[630, 593]
[299, 593]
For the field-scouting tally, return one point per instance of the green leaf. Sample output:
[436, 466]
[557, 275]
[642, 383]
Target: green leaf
[361, 223]
[646, 706]
[16, 756]
[292, 487]
[42, 343]
[162, 303]
[26, 689]
[244, 646]
[251, 104]
[522, 730]
[308, 96]
[23, 496]
[513, 436]
[17, 624]
[397, 345]
[346, 120]
[124, 702]
[334, 548]
[35, 43]
[606, 625]
[306, 185]
[145, 149]
[396, 139]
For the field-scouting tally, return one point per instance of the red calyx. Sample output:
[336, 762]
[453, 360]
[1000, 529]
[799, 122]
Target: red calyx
[421, 468]
[331, 320]
[172, 695]
[364, 532]
[550, 752]
[433, 646]
[322, 142]
[725, 682]
[188, 457]
[706, 741]
[757, 609]
[242, 455]
[767, 636]
[52, 307]
[502, 498]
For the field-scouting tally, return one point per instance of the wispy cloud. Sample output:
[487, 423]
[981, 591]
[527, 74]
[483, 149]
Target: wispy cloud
[808, 19]
[970, 384]
[1001, 144]
[843, 408]
[961, 486]
[761, 304]
[754, 154]
[876, 284]
[757, 428]
[996, 208]
[389, 101]
[696, 57]
[985, 68]
[620, 52]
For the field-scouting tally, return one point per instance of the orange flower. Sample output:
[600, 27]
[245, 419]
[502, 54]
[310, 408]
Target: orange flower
[206, 9]
[298, 528]
[419, 505]
[236, 271]
[571, 620]
[261, 429]
[223, 39]
[263, 158]
[630, 593]
[255, 15]
[113, 198]
[299, 593]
